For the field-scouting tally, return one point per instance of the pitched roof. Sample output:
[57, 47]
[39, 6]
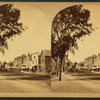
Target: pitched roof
[46, 52]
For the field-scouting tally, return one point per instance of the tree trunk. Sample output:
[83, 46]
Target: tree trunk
[60, 75]
[60, 71]
[57, 73]
[56, 69]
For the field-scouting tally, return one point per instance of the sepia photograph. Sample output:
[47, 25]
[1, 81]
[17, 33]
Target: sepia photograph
[75, 49]
[49, 49]
[25, 50]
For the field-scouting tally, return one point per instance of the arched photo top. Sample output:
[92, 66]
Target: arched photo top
[68, 26]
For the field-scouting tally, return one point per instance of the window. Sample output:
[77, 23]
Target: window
[34, 57]
[39, 61]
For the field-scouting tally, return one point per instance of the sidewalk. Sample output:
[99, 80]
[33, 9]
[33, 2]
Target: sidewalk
[64, 77]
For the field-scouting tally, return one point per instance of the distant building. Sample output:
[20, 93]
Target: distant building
[91, 63]
[21, 62]
[45, 61]
[18, 61]
[93, 60]
[41, 62]
[36, 62]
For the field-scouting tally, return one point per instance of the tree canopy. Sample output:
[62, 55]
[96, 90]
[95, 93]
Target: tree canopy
[9, 24]
[68, 26]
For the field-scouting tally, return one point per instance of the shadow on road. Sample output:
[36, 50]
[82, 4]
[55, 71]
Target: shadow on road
[24, 76]
[85, 75]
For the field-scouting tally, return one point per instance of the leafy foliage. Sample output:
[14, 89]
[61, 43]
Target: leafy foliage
[68, 26]
[9, 25]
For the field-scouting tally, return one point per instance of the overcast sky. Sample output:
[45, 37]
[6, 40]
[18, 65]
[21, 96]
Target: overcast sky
[38, 18]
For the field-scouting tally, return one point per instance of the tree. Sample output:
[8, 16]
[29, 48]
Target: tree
[9, 24]
[11, 64]
[82, 64]
[68, 26]
[54, 51]
[3, 65]
[74, 65]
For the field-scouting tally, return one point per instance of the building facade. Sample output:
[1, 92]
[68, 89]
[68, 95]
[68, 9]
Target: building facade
[41, 62]
[91, 63]
[45, 61]
[35, 62]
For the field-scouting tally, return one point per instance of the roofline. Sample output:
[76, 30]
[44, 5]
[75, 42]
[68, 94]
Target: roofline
[35, 53]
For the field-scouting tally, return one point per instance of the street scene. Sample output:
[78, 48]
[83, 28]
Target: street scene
[49, 48]
[25, 74]
[25, 50]
[81, 77]
[75, 50]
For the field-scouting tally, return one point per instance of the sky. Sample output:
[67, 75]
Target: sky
[35, 38]
[90, 44]
[38, 18]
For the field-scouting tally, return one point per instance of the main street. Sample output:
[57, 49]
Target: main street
[16, 82]
[77, 83]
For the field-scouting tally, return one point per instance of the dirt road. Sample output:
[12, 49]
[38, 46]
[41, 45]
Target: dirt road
[76, 83]
[24, 83]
